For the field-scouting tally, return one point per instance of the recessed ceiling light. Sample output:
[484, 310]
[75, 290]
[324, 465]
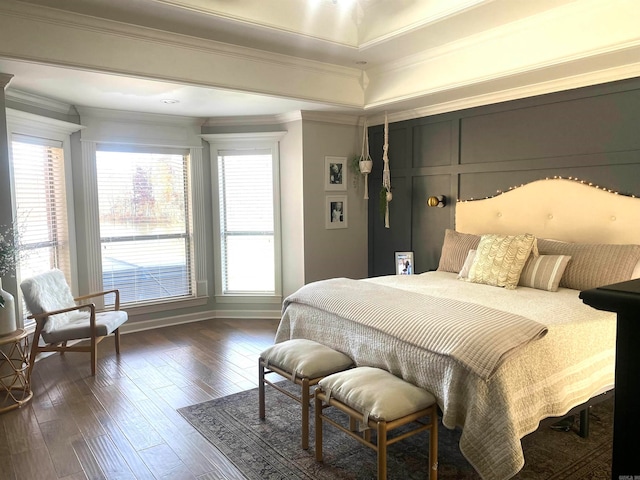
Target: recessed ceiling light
[169, 101]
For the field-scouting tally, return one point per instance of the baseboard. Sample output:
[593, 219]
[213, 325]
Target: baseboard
[141, 325]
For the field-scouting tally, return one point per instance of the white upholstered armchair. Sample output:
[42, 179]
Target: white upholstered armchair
[60, 319]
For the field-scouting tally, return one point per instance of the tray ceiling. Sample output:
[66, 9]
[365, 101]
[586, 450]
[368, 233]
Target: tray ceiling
[231, 58]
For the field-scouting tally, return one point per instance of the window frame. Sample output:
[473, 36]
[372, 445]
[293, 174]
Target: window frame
[238, 142]
[135, 130]
[187, 236]
[32, 125]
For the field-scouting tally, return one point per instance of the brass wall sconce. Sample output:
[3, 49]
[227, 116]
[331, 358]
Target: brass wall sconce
[437, 201]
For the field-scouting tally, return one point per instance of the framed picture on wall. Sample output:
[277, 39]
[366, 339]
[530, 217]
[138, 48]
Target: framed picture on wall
[336, 211]
[404, 263]
[335, 173]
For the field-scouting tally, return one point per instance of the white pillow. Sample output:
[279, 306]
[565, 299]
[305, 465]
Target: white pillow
[464, 273]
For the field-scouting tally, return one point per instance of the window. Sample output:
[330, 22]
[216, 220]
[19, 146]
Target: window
[145, 223]
[41, 205]
[247, 222]
[245, 186]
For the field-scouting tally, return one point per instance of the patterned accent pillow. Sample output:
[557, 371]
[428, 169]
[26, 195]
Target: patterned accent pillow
[544, 272]
[593, 265]
[500, 259]
[455, 248]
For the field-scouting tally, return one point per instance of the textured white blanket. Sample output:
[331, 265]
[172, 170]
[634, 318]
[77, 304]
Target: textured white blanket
[547, 377]
[478, 337]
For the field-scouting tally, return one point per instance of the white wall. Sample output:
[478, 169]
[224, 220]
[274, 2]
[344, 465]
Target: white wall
[334, 252]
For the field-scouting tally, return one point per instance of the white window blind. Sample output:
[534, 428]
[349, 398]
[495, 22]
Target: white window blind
[247, 221]
[41, 205]
[145, 223]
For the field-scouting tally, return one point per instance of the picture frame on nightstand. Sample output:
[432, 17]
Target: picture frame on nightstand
[404, 263]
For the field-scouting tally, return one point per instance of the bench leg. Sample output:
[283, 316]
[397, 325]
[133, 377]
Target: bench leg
[318, 426]
[305, 413]
[382, 450]
[433, 444]
[261, 389]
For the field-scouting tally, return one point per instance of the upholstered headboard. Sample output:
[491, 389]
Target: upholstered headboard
[560, 209]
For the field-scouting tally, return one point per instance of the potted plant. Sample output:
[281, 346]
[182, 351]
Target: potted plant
[365, 163]
[8, 258]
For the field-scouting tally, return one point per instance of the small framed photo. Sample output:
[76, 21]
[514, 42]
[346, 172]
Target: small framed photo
[336, 211]
[335, 173]
[404, 263]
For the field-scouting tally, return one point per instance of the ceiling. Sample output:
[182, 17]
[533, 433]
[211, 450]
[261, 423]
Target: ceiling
[273, 57]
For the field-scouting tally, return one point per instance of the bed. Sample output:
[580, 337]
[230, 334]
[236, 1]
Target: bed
[498, 360]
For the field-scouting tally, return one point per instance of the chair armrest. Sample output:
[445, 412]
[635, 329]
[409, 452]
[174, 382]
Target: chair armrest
[36, 316]
[102, 294]
[40, 317]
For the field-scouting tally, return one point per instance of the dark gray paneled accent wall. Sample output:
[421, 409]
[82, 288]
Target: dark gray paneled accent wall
[590, 133]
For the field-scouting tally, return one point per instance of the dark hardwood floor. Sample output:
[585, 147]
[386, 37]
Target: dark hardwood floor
[122, 423]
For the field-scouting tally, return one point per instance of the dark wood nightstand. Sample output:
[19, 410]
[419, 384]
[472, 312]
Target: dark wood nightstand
[624, 299]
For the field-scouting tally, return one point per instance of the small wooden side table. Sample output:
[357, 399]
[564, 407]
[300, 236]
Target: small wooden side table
[15, 385]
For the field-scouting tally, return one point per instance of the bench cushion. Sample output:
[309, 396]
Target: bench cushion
[376, 393]
[305, 358]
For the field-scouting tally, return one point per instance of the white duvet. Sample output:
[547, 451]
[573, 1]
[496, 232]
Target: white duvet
[571, 363]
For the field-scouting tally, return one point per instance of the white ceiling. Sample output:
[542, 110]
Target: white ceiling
[398, 55]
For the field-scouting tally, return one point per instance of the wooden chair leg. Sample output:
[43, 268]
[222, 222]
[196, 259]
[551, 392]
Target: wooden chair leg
[305, 413]
[34, 349]
[94, 356]
[64, 345]
[261, 408]
[116, 333]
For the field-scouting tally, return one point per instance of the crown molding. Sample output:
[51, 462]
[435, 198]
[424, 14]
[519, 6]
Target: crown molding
[219, 138]
[110, 27]
[25, 122]
[553, 86]
[139, 117]
[536, 23]
[87, 43]
[251, 120]
[32, 100]
[5, 79]
[325, 117]
[328, 117]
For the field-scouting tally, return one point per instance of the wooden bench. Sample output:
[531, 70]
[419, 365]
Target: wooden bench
[303, 362]
[380, 401]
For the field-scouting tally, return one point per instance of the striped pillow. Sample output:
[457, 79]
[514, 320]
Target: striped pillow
[500, 259]
[544, 272]
[593, 265]
[455, 248]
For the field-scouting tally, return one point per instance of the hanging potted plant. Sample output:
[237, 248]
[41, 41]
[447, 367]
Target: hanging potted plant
[365, 163]
[354, 166]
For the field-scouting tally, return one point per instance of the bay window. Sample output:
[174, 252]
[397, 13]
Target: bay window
[41, 205]
[145, 223]
[43, 214]
[246, 216]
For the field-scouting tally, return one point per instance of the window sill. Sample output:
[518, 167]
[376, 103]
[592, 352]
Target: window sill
[240, 298]
[164, 306]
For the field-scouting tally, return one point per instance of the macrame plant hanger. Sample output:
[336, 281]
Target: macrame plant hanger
[366, 163]
[386, 174]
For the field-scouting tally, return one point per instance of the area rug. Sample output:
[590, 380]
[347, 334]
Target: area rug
[270, 449]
